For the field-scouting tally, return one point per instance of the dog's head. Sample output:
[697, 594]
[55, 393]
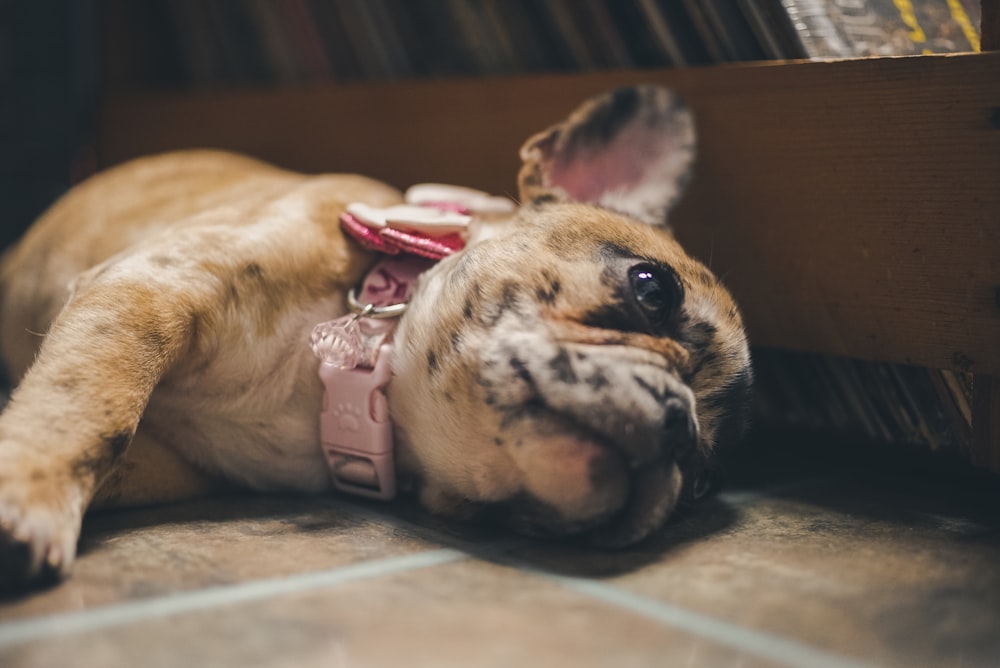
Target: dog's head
[574, 369]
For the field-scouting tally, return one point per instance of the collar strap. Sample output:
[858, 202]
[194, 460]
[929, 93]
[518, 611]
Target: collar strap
[355, 351]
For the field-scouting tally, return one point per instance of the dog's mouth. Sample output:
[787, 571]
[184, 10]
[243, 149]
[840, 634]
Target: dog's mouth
[653, 495]
[632, 498]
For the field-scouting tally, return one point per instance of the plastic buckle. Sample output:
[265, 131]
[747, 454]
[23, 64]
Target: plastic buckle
[355, 430]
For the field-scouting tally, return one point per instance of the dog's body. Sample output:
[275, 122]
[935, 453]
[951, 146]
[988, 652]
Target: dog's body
[572, 366]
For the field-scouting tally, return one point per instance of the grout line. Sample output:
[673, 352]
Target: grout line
[98, 619]
[762, 644]
[759, 643]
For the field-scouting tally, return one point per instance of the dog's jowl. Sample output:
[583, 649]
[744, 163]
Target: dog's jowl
[562, 364]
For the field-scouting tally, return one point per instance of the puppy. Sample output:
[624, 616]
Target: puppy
[571, 369]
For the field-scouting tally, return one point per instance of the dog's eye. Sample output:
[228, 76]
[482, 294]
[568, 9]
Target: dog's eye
[658, 292]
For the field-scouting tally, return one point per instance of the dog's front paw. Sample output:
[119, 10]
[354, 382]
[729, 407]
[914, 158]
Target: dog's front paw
[40, 520]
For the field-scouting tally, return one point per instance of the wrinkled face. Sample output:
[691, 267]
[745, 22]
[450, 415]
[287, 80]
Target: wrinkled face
[572, 372]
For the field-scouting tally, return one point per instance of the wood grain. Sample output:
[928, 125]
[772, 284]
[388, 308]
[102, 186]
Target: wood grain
[853, 207]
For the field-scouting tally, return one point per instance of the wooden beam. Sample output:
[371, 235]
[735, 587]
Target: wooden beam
[853, 207]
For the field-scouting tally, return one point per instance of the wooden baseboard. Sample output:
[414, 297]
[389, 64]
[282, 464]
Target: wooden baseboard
[853, 207]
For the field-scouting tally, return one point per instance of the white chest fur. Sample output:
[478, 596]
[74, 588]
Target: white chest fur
[247, 406]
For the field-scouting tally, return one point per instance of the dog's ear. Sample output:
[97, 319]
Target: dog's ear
[630, 150]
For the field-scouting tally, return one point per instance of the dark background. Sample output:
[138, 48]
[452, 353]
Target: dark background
[48, 92]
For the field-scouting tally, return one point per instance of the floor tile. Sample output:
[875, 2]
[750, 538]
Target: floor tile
[795, 564]
[468, 613]
[145, 552]
[858, 566]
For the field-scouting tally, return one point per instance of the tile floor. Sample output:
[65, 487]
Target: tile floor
[821, 561]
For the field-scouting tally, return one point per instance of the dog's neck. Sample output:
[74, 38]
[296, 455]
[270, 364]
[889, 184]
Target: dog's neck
[356, 350]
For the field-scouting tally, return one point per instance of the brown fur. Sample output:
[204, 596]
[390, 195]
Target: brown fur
[176, 294]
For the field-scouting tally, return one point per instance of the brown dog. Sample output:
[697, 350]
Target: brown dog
[572, 368]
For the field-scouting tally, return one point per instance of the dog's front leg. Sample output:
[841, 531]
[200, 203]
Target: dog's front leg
[74, 414]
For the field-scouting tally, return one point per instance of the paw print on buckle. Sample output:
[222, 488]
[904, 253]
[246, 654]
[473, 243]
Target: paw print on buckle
[348, 417]
[355, 430]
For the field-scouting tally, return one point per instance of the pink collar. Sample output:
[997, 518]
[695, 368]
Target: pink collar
[355, 354]
[355, 351]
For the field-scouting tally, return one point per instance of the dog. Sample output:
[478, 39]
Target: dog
[570, 370]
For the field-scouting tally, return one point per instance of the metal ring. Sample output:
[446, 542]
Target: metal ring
[372, 311]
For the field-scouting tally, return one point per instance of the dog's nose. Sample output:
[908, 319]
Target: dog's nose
[679, 434]
[673, 437]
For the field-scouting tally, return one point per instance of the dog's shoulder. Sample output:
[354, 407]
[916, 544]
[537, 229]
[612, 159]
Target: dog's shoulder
[200, 218]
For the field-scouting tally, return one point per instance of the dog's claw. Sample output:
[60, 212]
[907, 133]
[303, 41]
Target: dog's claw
[37, 540]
